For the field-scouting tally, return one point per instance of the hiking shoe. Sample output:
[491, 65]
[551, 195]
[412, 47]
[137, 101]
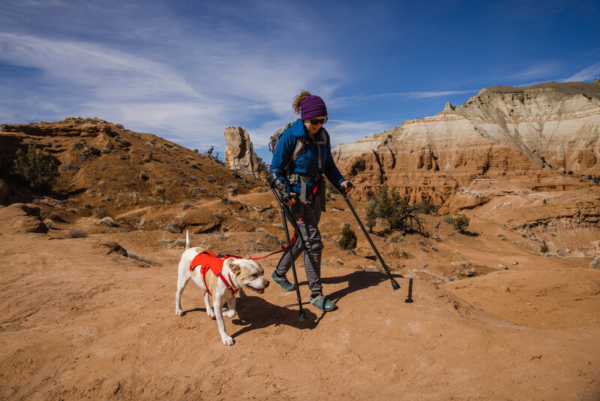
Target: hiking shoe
[322, 302]
[283, 282]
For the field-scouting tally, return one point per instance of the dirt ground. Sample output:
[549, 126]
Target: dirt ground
[79, 322]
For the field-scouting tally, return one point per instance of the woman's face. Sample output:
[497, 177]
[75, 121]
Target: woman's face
[313, 128]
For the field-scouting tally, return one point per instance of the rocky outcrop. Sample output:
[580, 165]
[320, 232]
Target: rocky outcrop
[103, 165]
[19, 218]
[502, 133]
[240, 155]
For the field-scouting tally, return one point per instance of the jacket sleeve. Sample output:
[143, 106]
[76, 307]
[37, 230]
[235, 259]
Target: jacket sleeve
[283, 152]
[331, 171]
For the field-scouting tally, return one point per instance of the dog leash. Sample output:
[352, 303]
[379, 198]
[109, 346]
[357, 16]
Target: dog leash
[293, 240]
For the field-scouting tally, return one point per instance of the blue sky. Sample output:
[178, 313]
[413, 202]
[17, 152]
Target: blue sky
[185, 70]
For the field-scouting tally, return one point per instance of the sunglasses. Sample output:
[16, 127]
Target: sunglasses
[316, 121]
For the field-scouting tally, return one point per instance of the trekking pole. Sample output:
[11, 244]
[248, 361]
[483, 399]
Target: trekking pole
[395, 284]
[287, 236]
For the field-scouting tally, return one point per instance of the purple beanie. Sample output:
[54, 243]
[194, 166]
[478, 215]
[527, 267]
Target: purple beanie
[312, 106]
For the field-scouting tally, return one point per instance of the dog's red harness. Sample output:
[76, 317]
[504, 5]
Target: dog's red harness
[208, 260]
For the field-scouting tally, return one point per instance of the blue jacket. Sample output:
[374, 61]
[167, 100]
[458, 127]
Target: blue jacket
[308, 162]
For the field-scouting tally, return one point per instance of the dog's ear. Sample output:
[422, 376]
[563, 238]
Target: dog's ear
[235, 268]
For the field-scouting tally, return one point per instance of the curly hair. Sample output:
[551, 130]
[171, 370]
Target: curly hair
[298, 100]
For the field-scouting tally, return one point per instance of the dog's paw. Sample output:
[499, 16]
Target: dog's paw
[179, 312]
[229, 313]
[227, 340]
[210, 313]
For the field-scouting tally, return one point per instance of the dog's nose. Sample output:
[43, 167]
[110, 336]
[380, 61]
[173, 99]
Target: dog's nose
[267, 283]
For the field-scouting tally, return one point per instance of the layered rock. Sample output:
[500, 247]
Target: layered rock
[503, 132]
[240, 155]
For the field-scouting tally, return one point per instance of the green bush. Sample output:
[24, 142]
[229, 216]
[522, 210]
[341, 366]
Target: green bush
[427, 208]
[461, 222]
[392, 208]
[544, 248]
[36, 168]
[348, 240]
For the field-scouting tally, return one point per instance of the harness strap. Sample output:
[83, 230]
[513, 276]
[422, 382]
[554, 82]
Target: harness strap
[202, 258]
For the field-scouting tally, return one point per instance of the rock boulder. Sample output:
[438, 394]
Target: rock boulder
[240, 155]
[19, 218]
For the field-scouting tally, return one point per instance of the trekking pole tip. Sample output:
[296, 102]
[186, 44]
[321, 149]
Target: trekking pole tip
[302, 315]
[395, 284]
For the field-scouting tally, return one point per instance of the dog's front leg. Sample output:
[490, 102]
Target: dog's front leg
[231, 306]
[209, 310]
[218, 308]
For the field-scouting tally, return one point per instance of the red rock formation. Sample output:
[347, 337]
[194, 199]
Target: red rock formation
[503, 132]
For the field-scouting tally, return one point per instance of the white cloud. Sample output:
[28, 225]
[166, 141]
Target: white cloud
[349, 131]
[110, 73]
[586, 74]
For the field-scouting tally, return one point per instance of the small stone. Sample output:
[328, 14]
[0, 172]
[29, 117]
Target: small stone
[515, 263]
[503, 267]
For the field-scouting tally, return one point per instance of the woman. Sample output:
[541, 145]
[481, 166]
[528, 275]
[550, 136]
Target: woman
[301, 175]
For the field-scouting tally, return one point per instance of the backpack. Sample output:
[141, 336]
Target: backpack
[299, 145]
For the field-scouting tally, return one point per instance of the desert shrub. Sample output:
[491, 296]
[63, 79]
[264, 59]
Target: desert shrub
[211, 178]
[448, 219]
[120, 126]
[186, 206]
[179, 243]
[99, 213]
[55, 216]
[233, 187]
[36, 168]
[107, 149]
[254, 216]
[544, 248]
[225, 200]
[68, 167]
[107, 221]
[595, 263]
[393, 209]
[159, 190]
[76, 233]
[49, 223]
[174, 227]
[427, 208]
[348, 240]
[461, 222]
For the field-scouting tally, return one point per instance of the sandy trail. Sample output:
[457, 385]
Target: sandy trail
[81, 323]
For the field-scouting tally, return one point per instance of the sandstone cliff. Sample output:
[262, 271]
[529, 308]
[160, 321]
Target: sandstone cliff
[503, 132]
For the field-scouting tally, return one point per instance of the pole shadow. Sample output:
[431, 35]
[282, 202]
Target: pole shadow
[357, 281]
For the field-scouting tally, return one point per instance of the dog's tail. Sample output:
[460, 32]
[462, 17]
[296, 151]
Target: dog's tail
[187, 240]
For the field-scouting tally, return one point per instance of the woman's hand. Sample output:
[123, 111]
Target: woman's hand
[291, 200]
[347, 185]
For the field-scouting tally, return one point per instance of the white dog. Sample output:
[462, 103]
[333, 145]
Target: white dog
[235, 274]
